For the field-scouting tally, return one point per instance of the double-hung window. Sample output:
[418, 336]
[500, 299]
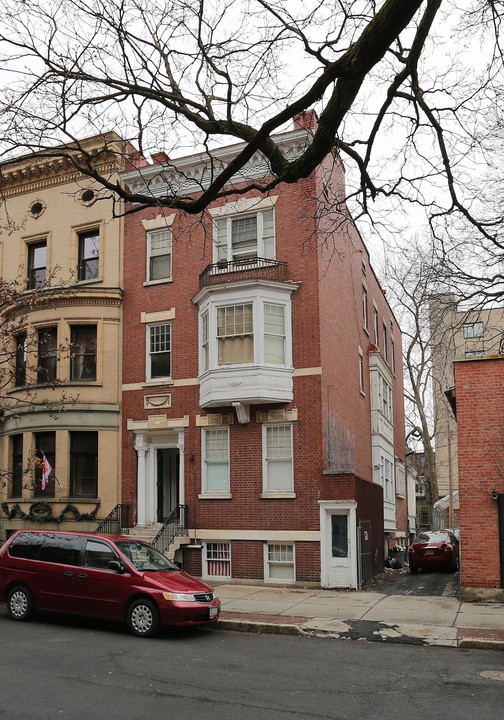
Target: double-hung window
[473, 330]
[215, 454]
[159, 255]
[277, 459]
[384, 397]
[218, 560]
[47, 354]
[37, 265]
[84, 464]
[387, 478]
[235, 334]
[280, 563]
[245, 237]
[159, 351]
[21, 352]
[89, 255]
[83, 352]
[274, 334]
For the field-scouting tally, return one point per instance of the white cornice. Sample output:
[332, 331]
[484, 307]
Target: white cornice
[193, 173]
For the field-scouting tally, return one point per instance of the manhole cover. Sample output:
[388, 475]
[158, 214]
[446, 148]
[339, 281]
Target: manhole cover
[492, 674]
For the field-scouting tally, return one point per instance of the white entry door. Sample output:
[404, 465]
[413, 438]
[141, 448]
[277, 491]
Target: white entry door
[338, 546]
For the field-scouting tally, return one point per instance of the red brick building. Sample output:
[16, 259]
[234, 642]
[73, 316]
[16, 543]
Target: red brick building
[262, 383]
[479, 390]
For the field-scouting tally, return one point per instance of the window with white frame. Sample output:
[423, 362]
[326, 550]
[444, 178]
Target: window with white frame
[277, 460]
[385, 348]
[245, 236]
[158, 351]
[205, 344]
[235, 334]
[387, 478]
[218, 560]
[364, 308]
[384, 397]
[473, 330]
[375, 326]
[215, 456]
[159, 255]
[361, 371]
[274, 334]
[279, 563]
[400, 480]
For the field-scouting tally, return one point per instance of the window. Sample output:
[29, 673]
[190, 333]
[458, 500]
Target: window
[61, 549]
[473, 330]
[384, 397]
[277, 462]
[375, 326]
[216, 460]
[274, 334]
[387, 478]
[89, 255]
[392, 353]
[385, 349]
[205, 345]
[84, 464]
[249, 236]
[364, 308]
[280, 563]
[17, 466]
[361, 372]
[159, 351]
[45, 461]
[159, 255]
[37, 263]
[235, 334]
[47, 354]
[400, 480]
[98, 554]
[20, 371]
[424, 517]
[218, 560]
[339, 535]
[474, 353]
[83, 352]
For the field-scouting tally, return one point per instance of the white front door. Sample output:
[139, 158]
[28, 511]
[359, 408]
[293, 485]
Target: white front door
[338, 545]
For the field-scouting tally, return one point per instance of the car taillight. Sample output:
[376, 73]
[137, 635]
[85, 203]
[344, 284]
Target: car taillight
[446, 548]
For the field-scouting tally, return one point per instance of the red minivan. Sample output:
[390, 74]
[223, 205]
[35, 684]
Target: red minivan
[107, 576]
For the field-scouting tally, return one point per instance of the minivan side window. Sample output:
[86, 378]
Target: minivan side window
[26, 545]
[62, 549]
[98, 554]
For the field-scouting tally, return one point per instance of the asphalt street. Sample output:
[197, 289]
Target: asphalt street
[78, 668]
[434, 583]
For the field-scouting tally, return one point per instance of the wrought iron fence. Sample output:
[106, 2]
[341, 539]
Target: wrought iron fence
[246, 269]
[176, 524]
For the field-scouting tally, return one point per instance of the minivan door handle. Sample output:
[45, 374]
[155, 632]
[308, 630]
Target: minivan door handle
[68, 573]
[82, 576]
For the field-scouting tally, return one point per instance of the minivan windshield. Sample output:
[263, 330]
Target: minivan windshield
[144, 557]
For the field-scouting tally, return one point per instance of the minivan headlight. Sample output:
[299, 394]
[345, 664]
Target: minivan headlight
[184, 597]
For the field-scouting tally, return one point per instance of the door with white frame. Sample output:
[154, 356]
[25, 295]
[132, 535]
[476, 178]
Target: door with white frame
[338, 551]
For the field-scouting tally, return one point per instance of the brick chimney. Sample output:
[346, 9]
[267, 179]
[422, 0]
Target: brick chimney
[306, 120]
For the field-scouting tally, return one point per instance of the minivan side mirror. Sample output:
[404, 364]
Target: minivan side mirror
[116, 565]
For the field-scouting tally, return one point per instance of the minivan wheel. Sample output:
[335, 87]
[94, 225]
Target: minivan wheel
[20, 604]
[143, 618]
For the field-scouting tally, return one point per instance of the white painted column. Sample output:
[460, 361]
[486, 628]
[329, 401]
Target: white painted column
[142, 449]
[181, 445]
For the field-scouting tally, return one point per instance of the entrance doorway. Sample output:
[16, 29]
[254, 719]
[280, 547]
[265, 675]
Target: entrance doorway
[167, 481]
[338, 551]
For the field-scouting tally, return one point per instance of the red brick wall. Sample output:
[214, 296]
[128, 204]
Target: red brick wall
[479, 385]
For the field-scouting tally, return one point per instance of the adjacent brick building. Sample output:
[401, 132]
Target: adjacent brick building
[479, 390]
[262, 383]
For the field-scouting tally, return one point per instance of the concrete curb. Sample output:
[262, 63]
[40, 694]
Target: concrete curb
[372, 631]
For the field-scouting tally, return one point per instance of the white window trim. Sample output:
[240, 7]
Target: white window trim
[267, 576]
[258, 298]
[361, 372]
[205, 574]
[259, 214]
[149, 235]
[267, 492]
[148, 376]
[205, 493]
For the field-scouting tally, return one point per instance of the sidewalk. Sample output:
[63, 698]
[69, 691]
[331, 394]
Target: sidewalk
[361, 615]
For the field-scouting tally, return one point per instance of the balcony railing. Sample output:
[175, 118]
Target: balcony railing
[247, 269]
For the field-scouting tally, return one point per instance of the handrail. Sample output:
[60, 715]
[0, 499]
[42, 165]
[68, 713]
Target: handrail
[116, 522]
[256, 268]
[176, 524]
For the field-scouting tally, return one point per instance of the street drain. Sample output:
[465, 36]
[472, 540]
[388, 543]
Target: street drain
[492, 674]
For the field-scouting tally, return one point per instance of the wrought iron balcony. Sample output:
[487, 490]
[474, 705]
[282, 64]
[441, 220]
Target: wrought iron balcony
[247, 269]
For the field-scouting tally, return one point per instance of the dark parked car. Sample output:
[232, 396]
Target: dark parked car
[114, 577]
[434, 549]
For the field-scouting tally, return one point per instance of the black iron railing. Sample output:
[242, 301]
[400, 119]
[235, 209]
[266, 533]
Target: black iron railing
[176, 524]
[247, 269]
[116, 522]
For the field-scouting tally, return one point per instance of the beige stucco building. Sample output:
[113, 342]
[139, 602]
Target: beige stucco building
[60, 438]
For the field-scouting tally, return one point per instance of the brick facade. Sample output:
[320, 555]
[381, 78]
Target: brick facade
[479, 386]
[330, 414]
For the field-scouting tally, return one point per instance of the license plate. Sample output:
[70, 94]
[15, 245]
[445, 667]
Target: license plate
[213, 611]
[429, 552]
